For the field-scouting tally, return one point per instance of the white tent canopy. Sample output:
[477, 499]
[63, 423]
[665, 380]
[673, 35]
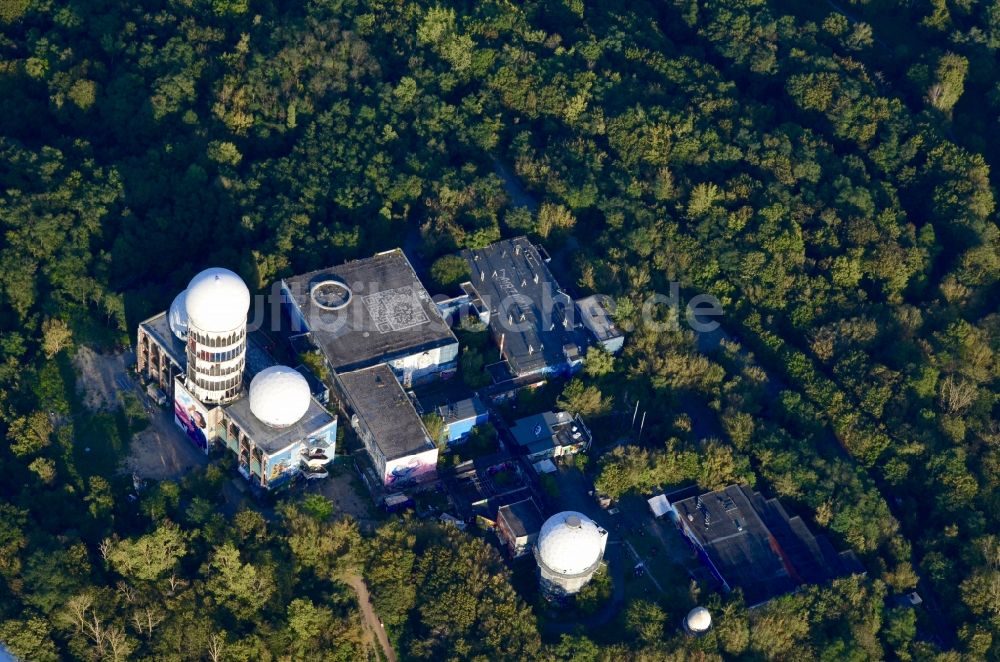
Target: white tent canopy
[659, 505]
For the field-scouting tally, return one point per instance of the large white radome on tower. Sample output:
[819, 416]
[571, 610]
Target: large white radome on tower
[570, 543]
[217, 301]
[279, 396]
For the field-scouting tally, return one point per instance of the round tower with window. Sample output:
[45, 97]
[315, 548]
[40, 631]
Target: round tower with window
[216, 302]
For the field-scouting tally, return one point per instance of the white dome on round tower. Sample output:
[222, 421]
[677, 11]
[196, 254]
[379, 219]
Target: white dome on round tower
[279, 396]
[698, 620]
[570, 543]
[177, 317]
[217, 301]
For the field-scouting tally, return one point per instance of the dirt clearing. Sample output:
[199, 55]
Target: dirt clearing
[162, 451]
[100, 377]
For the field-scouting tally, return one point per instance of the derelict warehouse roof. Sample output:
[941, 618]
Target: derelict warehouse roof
[595, 316]
[385, 314]
[523, 517]
[270, 439]
[379, 401]
[461, 410]
[539, 427]
[755, 544]
[527, 307]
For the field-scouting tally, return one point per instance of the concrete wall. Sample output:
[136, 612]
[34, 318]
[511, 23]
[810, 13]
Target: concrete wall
[556, 585]
[517, 546]
[155, 363]
[422, 366]
[613, 345]
[292, 309]
[378, 460]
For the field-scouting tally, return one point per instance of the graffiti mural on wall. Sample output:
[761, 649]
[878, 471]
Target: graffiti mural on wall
[280, 466]
[325, 437]
[410, 470]
[284, 465]
[192, 417]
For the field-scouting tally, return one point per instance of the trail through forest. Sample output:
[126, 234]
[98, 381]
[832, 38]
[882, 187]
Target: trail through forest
[374, 624]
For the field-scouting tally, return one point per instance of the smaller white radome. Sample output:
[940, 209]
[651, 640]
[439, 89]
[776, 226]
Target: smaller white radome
[217, 301]
[698, 620]
[279, 396]
[177, 317]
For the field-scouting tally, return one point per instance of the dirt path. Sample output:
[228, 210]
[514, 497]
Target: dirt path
[364, 602]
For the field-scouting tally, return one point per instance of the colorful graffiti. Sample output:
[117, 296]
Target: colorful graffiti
[285, 464]
[192, 417]
[326, 437]
[407, 471]
[282, 466]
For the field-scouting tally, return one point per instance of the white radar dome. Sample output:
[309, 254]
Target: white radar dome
[570, 543]
[279, 396]
[178, 317]
[698, 620]
[217, 301]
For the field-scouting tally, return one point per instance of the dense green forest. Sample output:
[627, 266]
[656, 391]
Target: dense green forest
[824, 169]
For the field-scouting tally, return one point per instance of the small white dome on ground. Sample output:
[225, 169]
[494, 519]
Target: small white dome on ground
[570, 543]
[279, 396]
[698, 620]
[177, 317]
[217, 301]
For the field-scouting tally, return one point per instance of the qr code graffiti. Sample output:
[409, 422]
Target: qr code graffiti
[395, 310]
